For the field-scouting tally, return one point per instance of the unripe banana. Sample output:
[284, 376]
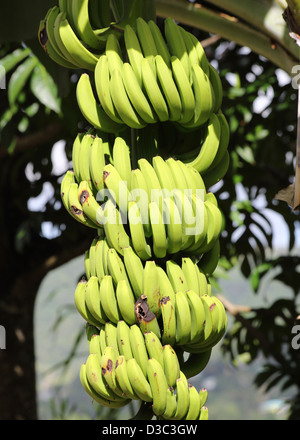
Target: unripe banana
[139, 302]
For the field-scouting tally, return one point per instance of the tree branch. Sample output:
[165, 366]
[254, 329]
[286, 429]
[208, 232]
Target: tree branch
[23, 143]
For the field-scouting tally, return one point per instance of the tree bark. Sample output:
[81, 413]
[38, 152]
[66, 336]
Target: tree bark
[18, 399]
[17, 360]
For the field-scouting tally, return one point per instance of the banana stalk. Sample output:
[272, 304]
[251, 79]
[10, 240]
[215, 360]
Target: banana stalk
[230, 28]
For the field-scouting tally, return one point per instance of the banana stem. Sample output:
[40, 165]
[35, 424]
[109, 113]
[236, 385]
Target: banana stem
[144, 412]
[228, 27]
[265, 16]
[133, 148]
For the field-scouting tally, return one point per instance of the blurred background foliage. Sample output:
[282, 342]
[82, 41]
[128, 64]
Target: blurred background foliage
[39, 120]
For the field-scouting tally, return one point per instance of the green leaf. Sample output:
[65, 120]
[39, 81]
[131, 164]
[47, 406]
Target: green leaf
[246, 154]
[44, 88]
[11, 60]
[19, 78]
[256, 274]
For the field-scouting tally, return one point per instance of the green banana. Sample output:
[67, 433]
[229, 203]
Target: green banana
[135, 271]
[126, 302]
[171, 365]
[91, 109]
[158, 384]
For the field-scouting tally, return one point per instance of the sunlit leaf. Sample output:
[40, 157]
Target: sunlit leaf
[44, 88]
[19, 78]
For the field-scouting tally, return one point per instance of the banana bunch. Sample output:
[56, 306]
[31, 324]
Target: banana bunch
[174, 302]
[146, 78]
[124, 364]
[157, 140]
[74, 32]
[159, 208]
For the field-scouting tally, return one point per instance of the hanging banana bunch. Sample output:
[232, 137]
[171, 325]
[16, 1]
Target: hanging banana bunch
[151, 317]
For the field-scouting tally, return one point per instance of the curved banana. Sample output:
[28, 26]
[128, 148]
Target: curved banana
[95, 395]
[202, 59]
[139, 194]
[80, 303]
[122, 160]
[190, 272]
[190, 48]
[158, 383]
[111, 337]
[185, 90]
[84, 158]
[176, 276]
[203, 396]
[137, 96]
[123, 379]
[102, 84]
[108, 299]
[92, 257]
[176, 43]
[171, 365]
[83, 57]
[158, 230]
[197, 316]
[69, 196]
[135, 271]
[107, 364]
[113, 53]
[122, 103]
[216, 83]
[115, 266]
[169, 88]
[52, 47]
[115, 232]
[194, 405]
[182, 399]
[94, 300]
[123, 339]
[75, 155]
[164, 174]
[139, 242]
[82, 24]
[89, 204]
[203, 413]
[153, 184]
[94, 345]
[138, 381]
[147, 42]
[97, 382]
[154, 347]
[204, 97]
[91, 109]
[168, 314]
[160, 43]
[118, 189]
[165, 285]
[134, 51]
[171, 404]
[153, 91]
[138, 347]
[126, 302]
[87, 264]
[97, 163]
[183, 319]
[210, 145]
[151, 286]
